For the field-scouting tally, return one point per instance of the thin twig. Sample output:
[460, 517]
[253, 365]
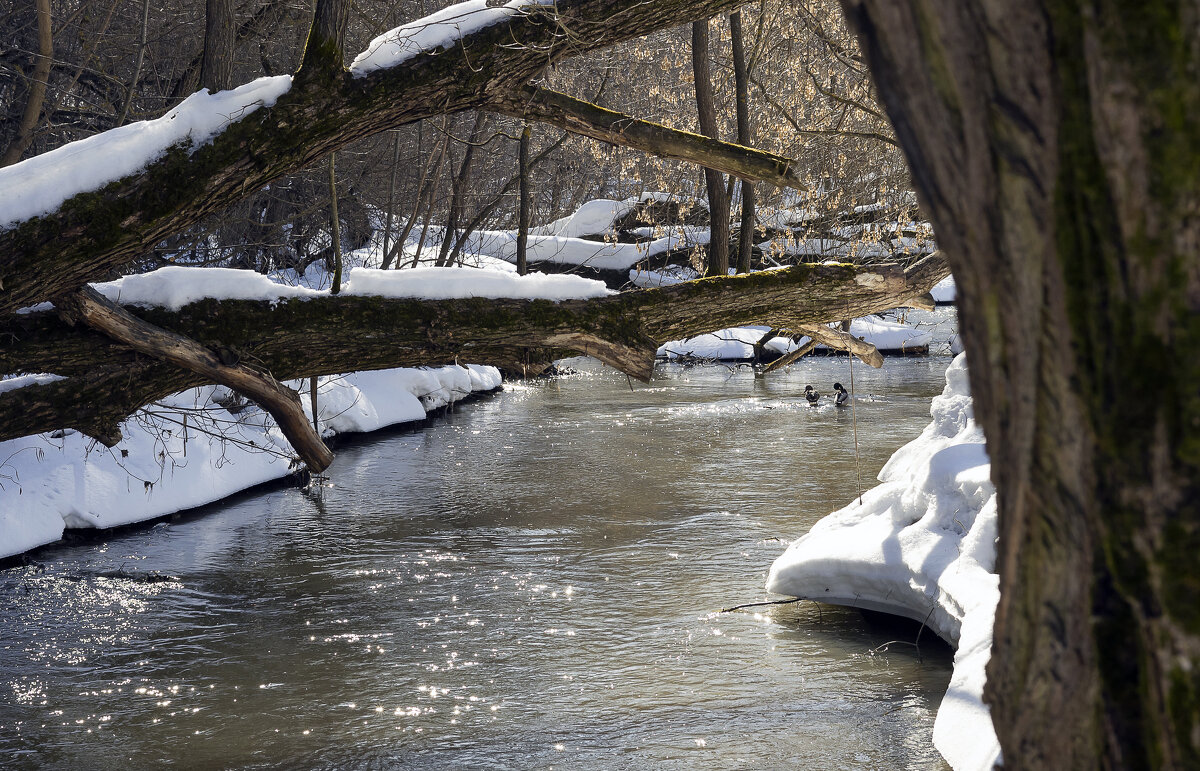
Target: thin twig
[757, 604]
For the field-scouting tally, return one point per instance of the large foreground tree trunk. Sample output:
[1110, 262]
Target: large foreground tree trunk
[1056, 147]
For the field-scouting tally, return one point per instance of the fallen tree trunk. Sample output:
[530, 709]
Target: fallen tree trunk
[105, 316]
[107, 381]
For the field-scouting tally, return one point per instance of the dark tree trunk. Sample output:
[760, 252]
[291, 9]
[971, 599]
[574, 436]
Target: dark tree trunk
[216, 66]
[36, 95]
[460, 185]
[718, 199]
[324, 49]
[498, 197]
[523, 209]
[741, 78]
[1056, 147]
[137, 67]
[335, 226]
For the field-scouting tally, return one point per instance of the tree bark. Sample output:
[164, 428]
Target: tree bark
[718, 200]
[37, 87]
[523, 208]
[324, 49]
[741, 81]
[216, 65]
[97, 232]
[106, 381]
[335, 226]
[1056, 147]
[282, 403]
[579, 117]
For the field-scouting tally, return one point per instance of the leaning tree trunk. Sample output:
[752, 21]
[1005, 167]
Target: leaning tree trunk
[1056, 147]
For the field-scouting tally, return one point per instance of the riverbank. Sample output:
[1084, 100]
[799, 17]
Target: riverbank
[195, 448]
[922, 545]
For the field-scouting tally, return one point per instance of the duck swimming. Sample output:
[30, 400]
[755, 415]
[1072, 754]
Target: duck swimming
[842, 398]
[811, 395]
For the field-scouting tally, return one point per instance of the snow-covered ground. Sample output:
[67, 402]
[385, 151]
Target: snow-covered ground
[171, 457]
[737, 343]
[563, 250]
[922, 544]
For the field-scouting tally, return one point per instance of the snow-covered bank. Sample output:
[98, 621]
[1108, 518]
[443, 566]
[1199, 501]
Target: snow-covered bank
[737, 343]
[945, 291]
[171, 459]
[923, 545]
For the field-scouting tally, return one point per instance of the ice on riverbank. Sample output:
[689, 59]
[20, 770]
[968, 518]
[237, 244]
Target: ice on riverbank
[923, 545]
[170, 459]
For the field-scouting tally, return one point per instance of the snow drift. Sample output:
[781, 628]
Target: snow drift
[923, 545]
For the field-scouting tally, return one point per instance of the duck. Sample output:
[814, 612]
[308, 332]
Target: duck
[811, 395]
[842, 398]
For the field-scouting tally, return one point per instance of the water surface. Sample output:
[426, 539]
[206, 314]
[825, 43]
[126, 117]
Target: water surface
[530, 582]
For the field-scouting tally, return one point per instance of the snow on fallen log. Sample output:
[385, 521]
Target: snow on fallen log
[174, 286]
[945, 291]
[922, 545]
[439, 30]
[169, 460]
[562, 250]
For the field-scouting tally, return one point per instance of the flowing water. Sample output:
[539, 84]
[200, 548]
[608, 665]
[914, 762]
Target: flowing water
[531, 581]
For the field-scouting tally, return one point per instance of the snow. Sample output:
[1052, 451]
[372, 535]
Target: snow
[737, 343]
[453, 283]
[578, 251]
[672, 274]
[592, 218]
[922, 545]
[945, 290]
[887, 335]
[174, 286]
[13, 382]
[441, 29]
[41, 184]
[733, 344]
[52, 481]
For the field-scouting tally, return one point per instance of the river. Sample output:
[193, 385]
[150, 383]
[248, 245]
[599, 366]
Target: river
[530, 581]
